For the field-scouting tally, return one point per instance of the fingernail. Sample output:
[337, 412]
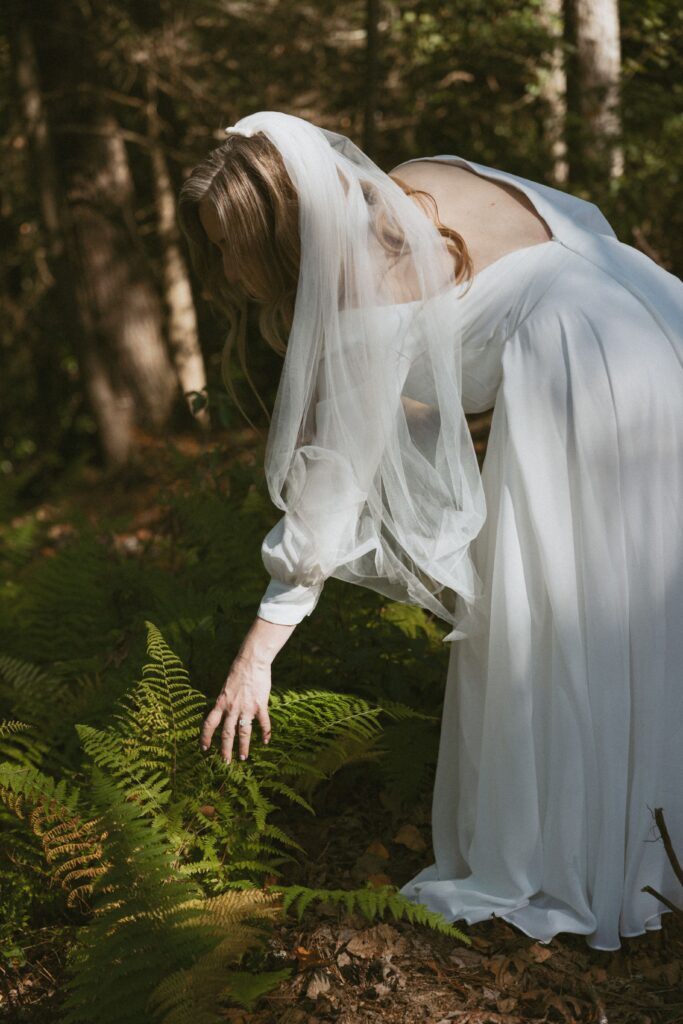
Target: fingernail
[243, 757]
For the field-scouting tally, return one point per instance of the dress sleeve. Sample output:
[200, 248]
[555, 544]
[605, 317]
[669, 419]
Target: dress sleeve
[283, 602]
[340, 447]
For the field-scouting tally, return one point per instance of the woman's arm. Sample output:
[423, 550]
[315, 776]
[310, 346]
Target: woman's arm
[265, 640]
[245, 692]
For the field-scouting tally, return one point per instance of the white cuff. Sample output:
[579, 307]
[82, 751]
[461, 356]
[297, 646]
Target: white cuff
[288, 603]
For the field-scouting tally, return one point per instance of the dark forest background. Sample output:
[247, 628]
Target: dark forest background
[105, 105]
[134, 868]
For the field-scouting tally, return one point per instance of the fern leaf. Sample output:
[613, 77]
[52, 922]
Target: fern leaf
[372, 902]
[194, 994]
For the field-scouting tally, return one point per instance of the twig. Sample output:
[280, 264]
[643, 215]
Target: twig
[668, 845]
[663, 899]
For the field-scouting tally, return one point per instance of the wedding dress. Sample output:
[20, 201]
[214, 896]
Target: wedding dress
[562, 725]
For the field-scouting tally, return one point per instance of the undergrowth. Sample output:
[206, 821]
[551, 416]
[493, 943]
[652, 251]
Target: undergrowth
[156, 864]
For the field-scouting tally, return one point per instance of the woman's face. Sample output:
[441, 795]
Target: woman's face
[212, 227]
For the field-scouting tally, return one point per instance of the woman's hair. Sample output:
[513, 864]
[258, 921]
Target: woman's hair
[246, 182]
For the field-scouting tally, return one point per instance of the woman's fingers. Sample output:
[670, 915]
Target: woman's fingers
[228, 734]
[231, 716]
[244, 736]
[211, 721]
[246, 729]
[264, 722]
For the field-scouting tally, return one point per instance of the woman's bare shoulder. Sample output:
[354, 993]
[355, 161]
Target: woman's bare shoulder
[458, 191]
[414, 171]
[490, 214]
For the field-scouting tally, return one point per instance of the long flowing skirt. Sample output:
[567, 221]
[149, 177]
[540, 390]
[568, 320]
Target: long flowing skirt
[562, 725]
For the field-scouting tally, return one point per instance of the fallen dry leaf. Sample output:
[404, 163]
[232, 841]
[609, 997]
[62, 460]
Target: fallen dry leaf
[539, 953]
[378, 849]
[506, 1005]
[380, 941]
[319, 983]
[410, 836]
[507, 970]
[378, 880]
[307, 958]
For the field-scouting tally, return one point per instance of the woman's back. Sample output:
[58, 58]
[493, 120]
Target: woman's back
[493, 217]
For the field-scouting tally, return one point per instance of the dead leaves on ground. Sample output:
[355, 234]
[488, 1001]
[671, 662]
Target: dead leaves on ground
[349, 972]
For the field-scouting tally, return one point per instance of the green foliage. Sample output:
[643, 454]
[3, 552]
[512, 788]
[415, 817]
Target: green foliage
[372, 902]
[160, 851]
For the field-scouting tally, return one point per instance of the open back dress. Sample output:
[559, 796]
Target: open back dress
[562, 725]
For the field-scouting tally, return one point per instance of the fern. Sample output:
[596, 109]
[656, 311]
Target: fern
[372, 902]
[193, 995]
[139, 903]
[163, 847]
[149, 747]
[72, 846]
[152, 929]
[19, 744]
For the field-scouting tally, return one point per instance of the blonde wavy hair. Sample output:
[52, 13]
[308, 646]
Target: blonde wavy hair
[256, 204]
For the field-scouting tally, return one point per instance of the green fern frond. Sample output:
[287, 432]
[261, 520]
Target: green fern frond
[134, 938]
[154, 738]
[164, 702]
[403, 712]
[38, 788]
[277, 786]
[152, 926]
[23, 676]
[63, 605]
[193, 995]
[28, 687]
[276, 833]
[372, 903]
[124, 762]
[10, 727]
[19, 743]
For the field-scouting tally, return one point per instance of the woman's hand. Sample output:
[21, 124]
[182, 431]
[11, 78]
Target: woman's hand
[243, 698]
[244, 694]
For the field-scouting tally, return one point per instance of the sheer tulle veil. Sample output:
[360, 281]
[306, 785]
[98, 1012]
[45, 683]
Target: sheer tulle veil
[369, 455]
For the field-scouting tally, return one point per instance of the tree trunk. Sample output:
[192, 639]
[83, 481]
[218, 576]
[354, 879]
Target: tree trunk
[42, 168]
[552, 80]
[598, 45]
[371, 75]
[183, 335]
[86, 195]
[123, 309]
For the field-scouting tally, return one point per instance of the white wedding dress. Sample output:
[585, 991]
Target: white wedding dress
[562, 724]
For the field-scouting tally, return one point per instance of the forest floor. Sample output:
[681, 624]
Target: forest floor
[350, 971]
[347, 970]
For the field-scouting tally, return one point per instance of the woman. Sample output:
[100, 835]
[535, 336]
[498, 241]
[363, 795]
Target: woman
[559, 566]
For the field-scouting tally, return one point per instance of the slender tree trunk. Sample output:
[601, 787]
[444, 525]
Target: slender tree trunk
[598, 45]
[371, 75]
[553, 90]
[183, 335]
